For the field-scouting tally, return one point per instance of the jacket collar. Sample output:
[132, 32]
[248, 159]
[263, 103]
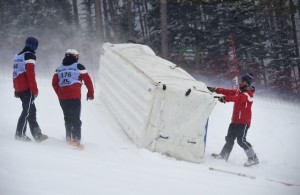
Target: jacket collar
[248, 88]
[27, 49]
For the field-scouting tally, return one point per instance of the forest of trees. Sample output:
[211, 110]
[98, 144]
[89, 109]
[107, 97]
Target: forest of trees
[216, 38]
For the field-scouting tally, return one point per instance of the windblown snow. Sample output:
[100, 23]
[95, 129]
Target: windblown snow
[111, 164]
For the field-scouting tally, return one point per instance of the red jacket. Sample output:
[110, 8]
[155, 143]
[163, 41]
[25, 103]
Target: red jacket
[242, 104]
[73, 91]
[26, 80]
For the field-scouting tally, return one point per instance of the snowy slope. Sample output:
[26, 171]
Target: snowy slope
[111, 164]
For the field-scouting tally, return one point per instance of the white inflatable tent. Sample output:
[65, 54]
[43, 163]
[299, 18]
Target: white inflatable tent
[159, 105]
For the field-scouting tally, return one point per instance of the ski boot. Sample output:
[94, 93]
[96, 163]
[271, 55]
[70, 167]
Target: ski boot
[22, 138]
[41, 138]
[251, 161]
[68, 140]
[76, 144]
[218, 156]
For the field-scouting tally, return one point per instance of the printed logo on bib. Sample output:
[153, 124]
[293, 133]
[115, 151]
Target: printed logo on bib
[64, 76]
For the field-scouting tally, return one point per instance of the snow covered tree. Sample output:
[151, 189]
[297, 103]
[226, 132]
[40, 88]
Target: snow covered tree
[164, 29]
[88, 18]
[50, 21]
[282, 48]
[99, 20]
[75, 11]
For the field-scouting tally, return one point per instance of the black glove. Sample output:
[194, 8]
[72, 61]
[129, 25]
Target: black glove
[212, 89]
[222, 99]
[89, 98]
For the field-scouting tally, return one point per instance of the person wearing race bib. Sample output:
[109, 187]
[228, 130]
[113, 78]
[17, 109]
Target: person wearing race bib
[67, 82]
[26, 89]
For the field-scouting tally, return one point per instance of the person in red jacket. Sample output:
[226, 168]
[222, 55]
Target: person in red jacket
[26, 89]
[67, 82]
[241, 118]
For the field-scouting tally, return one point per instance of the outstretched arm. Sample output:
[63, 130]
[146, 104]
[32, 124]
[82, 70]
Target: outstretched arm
[223, 91]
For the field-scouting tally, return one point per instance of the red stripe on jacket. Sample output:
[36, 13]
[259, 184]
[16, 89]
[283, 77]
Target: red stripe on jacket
[242, 113]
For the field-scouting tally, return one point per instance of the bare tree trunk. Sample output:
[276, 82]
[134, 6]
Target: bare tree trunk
[141, 17]
[292, 8]
[146, 5]
[88, 6]
[264, 72]
[130, 19]
[99, 20]
[145, 10]
[75, 10]
[164, 28]
[106, 21]
[299, 8]
[113, 20]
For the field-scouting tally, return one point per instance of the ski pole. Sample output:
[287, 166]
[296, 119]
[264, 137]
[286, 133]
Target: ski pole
[232, 173]
[253, 177]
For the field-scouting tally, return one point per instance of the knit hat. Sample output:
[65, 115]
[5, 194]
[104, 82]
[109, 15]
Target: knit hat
[248, 78]
[32, 43]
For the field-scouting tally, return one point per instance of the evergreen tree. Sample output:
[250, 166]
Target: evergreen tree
[282, 50]
[199, 32]
[88, 15]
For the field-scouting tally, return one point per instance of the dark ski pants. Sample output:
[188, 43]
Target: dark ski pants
[239, 132]
[71, 110]
[28, 115]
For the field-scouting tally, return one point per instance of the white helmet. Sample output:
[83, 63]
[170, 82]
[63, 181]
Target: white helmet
[72, 52]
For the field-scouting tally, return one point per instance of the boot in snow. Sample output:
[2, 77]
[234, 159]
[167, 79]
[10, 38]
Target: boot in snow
[251, 161]
[22, 138]
[76, 144]
[217, 156]
[41, 138]
[252, 158]
[222, 155]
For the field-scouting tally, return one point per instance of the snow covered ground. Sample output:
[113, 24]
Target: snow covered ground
[111, 163]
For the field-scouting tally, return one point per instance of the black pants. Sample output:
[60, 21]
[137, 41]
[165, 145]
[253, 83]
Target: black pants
[239, 132]
[28, 115]
[71, 110]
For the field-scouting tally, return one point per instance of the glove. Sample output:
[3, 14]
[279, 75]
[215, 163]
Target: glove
[89, 97]
[212, 89]
[222, 99]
